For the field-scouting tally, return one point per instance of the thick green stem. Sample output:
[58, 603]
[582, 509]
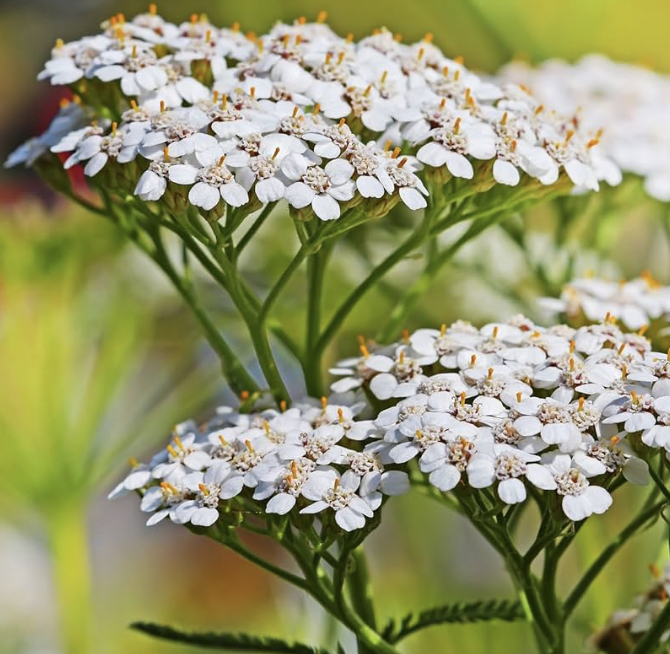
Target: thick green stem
[316, 268]
[68, 541]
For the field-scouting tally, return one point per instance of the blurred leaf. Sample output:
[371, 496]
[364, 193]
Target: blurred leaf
[226, 641]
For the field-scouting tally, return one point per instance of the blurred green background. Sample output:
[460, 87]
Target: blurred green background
[83, 319]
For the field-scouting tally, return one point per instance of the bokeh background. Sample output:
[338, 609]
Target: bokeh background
[98, 358]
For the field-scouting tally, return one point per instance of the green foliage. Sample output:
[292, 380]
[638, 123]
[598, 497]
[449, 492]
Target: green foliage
[226, 641]
[458, 613]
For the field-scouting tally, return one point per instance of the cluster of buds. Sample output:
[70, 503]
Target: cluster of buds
[625, 627]
[300, 113]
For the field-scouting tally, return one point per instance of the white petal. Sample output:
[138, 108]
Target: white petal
[280, 504]
[445, 478]
[505, 172]
[203, 195]
[299, 195]
[512, 491]
[325, 207]
[234, 194]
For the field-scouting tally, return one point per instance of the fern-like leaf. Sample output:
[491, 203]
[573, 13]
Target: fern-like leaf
[458, 613]
[226, 641]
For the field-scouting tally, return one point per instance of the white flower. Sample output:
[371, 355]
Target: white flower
[328, 490]
[210, 184]
[453, 143]
[508, 466]
[218, 482]
[321, 188]
[551, 420]
[136, 66]
[284, 485]
[580, 499]
[183, 455]
[162, 501]
[446, 462]
[120, 144]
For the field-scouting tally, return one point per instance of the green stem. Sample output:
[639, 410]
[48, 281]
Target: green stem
[251, 232]
[412, 242]
[316, 268]
[234, 372]
[360, 588]
[68, 540]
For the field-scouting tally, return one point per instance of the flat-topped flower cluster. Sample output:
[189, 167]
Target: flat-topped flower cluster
[636, 303]
[511, 405]
[300, 114]
[629, 103]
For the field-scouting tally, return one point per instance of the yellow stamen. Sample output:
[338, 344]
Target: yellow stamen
[428, 37]
[194, 19]
[235, 27]
[420, 54]
[203, 489]
[316, 109]
[655, 572]
[324, 402]
[350, 37]
[624, 371]
[244, 396]
[519, 396]
[364, 351]
[249, 446]
[473, 360]
[63, 103]
[336, 485]
[340, 58]
[489, 375]
[224, 101]
[133, 462]
[592, 143]
[322, 17]
[172, 451]
[443, 103]
[643, 330]
[463, 398]
[295, 112]
[282, 406]
[512, 147]
[340, 415]
[342, 123]
[572, 364]
[503, 120]
[443, 329]
[368, 88]
[167, 486]
[581, 404]
[134, 106]
[266, 428]
[221, 160]
[275, 154]
[539, 110]
[384, 76]
[329, 56]
[495, 332]
[457, 126]
[178, 443]
[405, 335]
[457, 75]
[114, 127]
[459, 60]
[568, 136]
[401, 358]
[445, 71]
[153, 10]
[162, 106]
[223, 441]
[294, 468]
[622, 347]
[614, 440]
[298, 39]
[402, 162]
[395, 153]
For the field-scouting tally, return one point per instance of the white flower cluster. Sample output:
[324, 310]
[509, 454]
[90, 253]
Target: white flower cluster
[636, 303]
[507, 405]
[628, 103]
[310, 457]
[513, 403]
[299, 113]
[626, 626]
